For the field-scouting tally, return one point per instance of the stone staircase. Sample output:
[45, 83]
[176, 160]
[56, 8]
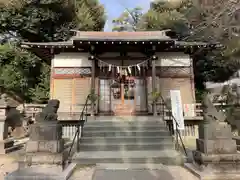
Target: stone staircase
[129, 140]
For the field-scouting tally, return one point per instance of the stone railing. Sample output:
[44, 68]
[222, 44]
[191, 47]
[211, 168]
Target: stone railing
[32, 109]
[189, 134]
[196, 108]
[73, 113]
[191, 123]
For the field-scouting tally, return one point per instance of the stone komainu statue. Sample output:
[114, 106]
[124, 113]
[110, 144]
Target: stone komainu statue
[210, 113]
[49, 113]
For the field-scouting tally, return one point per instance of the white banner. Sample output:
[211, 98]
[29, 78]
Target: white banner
[177, 109]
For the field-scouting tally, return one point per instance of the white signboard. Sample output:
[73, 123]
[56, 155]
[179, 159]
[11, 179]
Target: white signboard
[177, 109]
[2, 112]
[189, 110]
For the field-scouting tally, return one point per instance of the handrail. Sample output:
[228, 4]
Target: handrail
[77, 133]
[178, 134]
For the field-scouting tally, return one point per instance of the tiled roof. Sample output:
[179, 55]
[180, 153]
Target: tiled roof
[63, 43]
[140, 35]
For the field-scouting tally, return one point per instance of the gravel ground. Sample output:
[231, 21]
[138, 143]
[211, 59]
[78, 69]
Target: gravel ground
[180, 173]
[7, 165]
[83, 173]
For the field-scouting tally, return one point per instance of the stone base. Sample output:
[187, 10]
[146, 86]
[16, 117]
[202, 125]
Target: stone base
[45, 131]
[45, 146]
[237, 139]
[43, 158]
[208, 174]
[5, 145]
[219, 146]
[201, 158]
[215, 130]
[42, 172]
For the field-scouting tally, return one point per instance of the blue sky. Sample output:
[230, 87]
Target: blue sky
[115, 7]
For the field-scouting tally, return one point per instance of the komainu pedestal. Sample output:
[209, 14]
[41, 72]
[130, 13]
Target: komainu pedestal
[216, 156]
[45, 145]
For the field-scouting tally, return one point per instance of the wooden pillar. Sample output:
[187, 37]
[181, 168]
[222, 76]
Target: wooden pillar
[93, 83]
[154, 84]
[122, 93]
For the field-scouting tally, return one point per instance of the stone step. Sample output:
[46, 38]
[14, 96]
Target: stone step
[125, 123]
[127, 146]
[124, 139]
[123, 166]
[124, 128]
[101, 133]
[168, 157]
[123, 114]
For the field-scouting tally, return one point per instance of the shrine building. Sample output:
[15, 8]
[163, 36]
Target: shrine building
[123, 68]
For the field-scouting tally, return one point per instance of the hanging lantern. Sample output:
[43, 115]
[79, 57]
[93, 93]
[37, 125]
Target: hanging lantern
[109, 67]
[118, 70]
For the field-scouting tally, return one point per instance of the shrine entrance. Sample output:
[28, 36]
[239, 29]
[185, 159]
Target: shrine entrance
[123, 96]
[123, 88]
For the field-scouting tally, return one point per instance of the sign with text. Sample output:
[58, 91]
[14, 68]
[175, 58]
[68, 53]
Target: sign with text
[189, 110]
[177, 109]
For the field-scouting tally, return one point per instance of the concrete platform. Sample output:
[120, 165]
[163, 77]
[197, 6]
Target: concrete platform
[163, 173]
[41, 173]
[169, 157]
[209, 175]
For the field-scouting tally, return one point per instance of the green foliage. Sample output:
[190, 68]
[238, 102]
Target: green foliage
[93, 97]
[17, 71]
[90, 15]
[40, 93]
[156, 95]
[165, 15]
[44, 20]
[50, 20]
[22, 73]
[129, 20]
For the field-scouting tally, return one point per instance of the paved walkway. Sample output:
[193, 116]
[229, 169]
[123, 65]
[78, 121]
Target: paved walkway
[167, 173]
[8, 164]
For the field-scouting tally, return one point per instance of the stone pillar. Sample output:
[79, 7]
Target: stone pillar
[5, 143]
[154, 108]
